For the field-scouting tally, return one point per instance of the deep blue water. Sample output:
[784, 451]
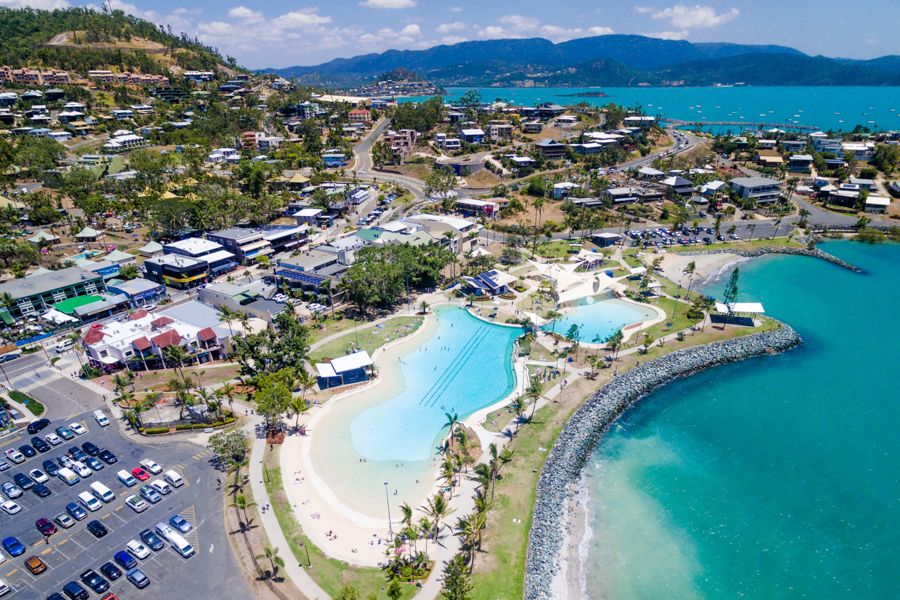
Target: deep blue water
[774, 478]
[838, 108]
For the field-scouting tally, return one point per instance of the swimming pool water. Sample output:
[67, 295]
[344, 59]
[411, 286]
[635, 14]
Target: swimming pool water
[465, 366]
[597, 319]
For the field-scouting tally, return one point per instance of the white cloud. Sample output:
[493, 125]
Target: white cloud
[455, 9]
[412, 30]
[247, 15]
[39, 4]
[452, 39]
[518, 26]
[305, 19]
[448, 27]
[389, 4]
[684, 17]
[668, 35]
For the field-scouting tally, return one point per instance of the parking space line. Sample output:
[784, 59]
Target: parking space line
[13, 572]
[46, 551]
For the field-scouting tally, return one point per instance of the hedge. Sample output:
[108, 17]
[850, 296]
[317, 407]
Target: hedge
[36, 408]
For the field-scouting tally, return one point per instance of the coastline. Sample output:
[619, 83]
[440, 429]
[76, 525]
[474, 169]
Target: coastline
[552, 523]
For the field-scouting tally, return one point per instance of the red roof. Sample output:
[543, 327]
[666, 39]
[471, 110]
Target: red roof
[142, 343]
[166, 339]
[139, 314]
[93, 336]
[159, 322]
[206, 334]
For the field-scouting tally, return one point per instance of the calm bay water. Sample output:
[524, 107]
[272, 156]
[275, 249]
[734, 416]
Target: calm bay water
[774, 478]
[838, 108]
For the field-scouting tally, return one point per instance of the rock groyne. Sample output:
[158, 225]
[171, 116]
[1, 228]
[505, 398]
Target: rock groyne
[764, 250]
[564, 464]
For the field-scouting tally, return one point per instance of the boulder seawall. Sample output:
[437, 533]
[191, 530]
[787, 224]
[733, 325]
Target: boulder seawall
[562, 470]
[764, 250]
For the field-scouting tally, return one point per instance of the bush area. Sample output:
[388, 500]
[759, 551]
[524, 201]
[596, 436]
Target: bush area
[36, 408]
[187, 426]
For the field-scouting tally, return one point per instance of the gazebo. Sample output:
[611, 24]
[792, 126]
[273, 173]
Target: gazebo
[737, 313]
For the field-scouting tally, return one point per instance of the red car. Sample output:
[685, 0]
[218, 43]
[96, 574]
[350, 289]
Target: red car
[45, 526]
[140, 474]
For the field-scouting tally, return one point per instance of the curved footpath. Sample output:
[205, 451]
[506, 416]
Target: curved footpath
[580, 435]
[763, 250]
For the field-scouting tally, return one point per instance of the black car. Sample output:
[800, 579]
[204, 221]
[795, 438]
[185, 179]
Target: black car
[97, 528]
[93, 580]
[40, 445]
[90, 449]
[74, 591]
[27, 450]
[50, 468]
[40, 490]
[107, 457]
[23, 481]
[76, 453]
[36, 426]
[111, 571]
[152, 540]
[56, 596]
[93, 463]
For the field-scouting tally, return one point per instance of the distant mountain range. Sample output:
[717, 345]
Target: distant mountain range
[613, 60]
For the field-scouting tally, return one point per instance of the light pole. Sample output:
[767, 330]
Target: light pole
[387, 500]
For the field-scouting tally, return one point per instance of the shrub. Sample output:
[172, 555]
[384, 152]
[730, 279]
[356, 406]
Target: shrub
[154, 430]
[36, 408]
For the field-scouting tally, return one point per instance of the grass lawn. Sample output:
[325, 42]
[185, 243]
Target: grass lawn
[369, 338]
[557, 249]
[631, 258]
[330, 326]
[330, 574]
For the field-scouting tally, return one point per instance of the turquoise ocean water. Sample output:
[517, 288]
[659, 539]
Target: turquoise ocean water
[839, 108]
[598, 318]
[773, 478]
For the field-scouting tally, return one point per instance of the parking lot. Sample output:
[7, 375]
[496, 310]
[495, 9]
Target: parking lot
[211, 572]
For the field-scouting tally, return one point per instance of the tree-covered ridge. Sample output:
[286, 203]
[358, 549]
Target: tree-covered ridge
[24, 33]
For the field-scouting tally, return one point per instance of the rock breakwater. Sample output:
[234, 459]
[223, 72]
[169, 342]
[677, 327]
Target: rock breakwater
[563, 467]
[764, 250]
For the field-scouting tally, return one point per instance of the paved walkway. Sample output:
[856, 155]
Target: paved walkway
[309, 588]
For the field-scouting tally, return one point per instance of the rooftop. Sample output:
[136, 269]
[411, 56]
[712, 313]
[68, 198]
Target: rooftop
[46, 282]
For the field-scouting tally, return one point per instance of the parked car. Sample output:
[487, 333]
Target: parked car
[77, 453]
[152, 540]
[23, 481]
[137, 549]
[124, 559]
[53, 439]
[180, 523]
[77, 428]
[11, 490]
[136, 504]
[107, 457]
[64, 520]
[4, 466]
[27, 451]
[149, 494]
[10, 507]
[13, 546]
[65, 433]
[40, 444]
[90, 448]
[45, 526]
[15, 456]
[50, 467]
[97, 529]
[140, 474]
[151, 466]
[110, 570]
[38, 476]
[93, 580]
[94, 463]
[138, 578]
[161, 486]
[40, 490]
[74, 591]
[38, 425]
[76, 511]
[81, 469]
[35, 565]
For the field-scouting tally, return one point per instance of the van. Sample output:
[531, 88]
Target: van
[180, 545]
[101, 418]
[173, 478]
[126, 478]
[89, 501]
[63, 345]
[68, 476]
[102, 492]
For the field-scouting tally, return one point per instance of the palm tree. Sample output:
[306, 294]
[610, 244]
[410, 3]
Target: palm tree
[534, 393]
[305, 381]
[483, 476]
[242, 503]
[176, 356]
[518, 406]
[615, 342]
[427, 528]
[452, 420]
[275, 561]
[438, 509]
[226, 314]
[689, 270]
[298, 406]
[407, 514]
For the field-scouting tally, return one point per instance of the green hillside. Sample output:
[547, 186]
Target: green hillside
[80, 39]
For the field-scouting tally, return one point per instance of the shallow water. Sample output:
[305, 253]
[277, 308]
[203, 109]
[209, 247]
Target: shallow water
[598, 318]
[772, 478]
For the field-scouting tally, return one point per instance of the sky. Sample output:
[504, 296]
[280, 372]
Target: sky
[281, 33]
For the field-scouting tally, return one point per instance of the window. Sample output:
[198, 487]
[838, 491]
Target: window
[104, 353]
[128, 353]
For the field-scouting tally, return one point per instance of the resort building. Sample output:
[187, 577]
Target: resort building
[489, 283]
[345, 370]
[360, 116]
[177, 271]
[39, 292]
[758, 189]
[139, 342]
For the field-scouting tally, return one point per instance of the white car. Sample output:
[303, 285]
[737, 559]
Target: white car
[10, 507]
[151, 466]
[53, 439]
[77, 428]
[81, 469]
[15, 456]
[136, 503]
[161, 486]
[38, 475]
[137, 549]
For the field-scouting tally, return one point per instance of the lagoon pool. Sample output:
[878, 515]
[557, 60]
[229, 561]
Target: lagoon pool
[389, 432]
[599, 317]
[464, 366]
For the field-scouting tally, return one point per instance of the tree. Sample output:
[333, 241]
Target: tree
[129, 272]
[348, 592]
[395, 590]
[272, 396]
[231, 447]
[439, 185]
[615, 342]
[275, 562]
[298, 406]
[457, 583]
[730, 294]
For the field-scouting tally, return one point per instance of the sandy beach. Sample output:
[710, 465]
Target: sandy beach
[569, 582]
[707, 266]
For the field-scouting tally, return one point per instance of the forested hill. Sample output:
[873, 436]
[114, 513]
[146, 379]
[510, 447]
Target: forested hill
[604, 60]
[80, 39]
